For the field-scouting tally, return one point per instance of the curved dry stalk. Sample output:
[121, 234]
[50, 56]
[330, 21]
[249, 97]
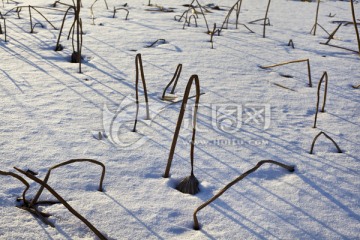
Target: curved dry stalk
[117, 9]
[139, 67]
[266, 17]
[356, 87]
[324, 76]
[159, 40]
[67, 205]
[46, 179]
[57, 47]
[242, 176]
[193, 78]
[14, 175]
[173, 80]
[291, 43]
[355, 25]
[316, 18]
[328, 137]
[189, 22]
[295, 61]
[4, 32]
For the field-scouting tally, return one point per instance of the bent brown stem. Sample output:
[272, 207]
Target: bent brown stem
[117, 9]
[356, 87]
[291, 43]
[295, 61]
[328, 137]
[324, 76]
[14, 175]
[173, 80]
[67, 205]
[266, 17]
[355, 25]
[242, 176]
[161, 39]
[316, 18]
[139, 68]
[35, 200]
[193, 78]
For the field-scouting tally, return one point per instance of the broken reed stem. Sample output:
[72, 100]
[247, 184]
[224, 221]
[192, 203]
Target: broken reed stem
[4, 30]
[117, 9]
[324, 76]
[92, 12]
[266, 16]
[355, 25]
[77, 18]
[202, 12]
[258, 165]
[193, 78]
[37, 196]
[356, 87]
[295, 61]
[139, 68]
[173, 80]
[161, 39]
[291, 43]
[21, 180]
[328, 137]
[189, 22]
[67, 205]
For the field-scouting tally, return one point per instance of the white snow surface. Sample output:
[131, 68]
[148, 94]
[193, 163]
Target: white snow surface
[51, 113]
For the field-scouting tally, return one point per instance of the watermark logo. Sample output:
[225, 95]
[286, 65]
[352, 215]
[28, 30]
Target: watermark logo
[223, 118]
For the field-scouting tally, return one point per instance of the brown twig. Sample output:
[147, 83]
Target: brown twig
[355, 25]
[139, 68]
[193, 78]
[356, 87]
[159, 40]
[328, 137]
[324, 76]
[242, 176]
[266, 17]
[295, 61]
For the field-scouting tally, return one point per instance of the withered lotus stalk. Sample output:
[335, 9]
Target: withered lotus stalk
[65, 203]
[328, 137]
[290, 62]
[324, 77]
[173, 80]
[190, 184]
[140, 73]
[242, 176]
[46, 179]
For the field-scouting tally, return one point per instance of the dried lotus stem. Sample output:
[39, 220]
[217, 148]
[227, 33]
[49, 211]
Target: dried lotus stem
[328, 137]
[295, 61]
[242, 176]
[324, 76]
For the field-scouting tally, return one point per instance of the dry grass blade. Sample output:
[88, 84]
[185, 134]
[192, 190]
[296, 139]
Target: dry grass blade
[287, 167]
[157, 41]
[291, 43]
[355, 24]
[26, 203]
[356, 87]
[328, 137]
[121, 8]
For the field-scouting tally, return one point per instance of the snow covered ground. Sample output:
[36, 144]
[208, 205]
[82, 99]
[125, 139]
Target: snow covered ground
[51, 113]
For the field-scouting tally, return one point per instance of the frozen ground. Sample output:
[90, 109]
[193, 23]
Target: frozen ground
[50, 113]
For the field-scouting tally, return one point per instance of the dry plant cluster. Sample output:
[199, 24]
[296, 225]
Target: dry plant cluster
[190, 184]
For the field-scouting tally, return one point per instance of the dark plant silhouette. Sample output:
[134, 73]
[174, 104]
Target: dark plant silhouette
[242, 176]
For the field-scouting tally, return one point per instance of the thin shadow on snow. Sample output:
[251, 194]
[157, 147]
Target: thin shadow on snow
[134, 216]
[12, 80]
